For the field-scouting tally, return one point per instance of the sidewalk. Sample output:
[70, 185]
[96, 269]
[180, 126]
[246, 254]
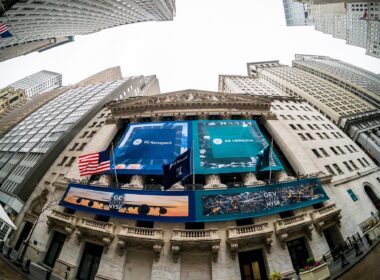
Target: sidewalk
[8, 272]
[356, 262]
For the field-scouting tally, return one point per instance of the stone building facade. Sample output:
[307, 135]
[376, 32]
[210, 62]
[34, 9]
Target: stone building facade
[130, 249]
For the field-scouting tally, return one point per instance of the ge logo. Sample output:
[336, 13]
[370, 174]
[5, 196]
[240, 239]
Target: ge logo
[217, 141]
[137, 142]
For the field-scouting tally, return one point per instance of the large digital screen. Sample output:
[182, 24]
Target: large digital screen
[195, 206]
[258, 201]
[229, 147]
[142, 205]
[145, 147]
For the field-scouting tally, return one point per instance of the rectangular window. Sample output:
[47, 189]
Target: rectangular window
[62, 161]
[81, 147]
[71, 161]
[326, 135]
[309, 135]
[324, 152]
[360, 161]
[293, 127]
[84, 134]
[74, 147]
[316, 153]
[353, 148]
[337, 168]
[310, 126]
[319, 135]
[366, 162]
[300, 126]
[329, 170]
[347, 166]
[334, 151]
[354, 165]
[91, 134]
[340, 150]
[302, 136]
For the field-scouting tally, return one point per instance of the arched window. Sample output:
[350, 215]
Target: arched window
[372, 196]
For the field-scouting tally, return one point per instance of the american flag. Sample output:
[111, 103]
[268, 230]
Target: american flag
[94, 163]
[4, 33]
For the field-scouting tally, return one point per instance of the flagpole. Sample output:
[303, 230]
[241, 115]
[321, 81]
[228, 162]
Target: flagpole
[114, 166]
[10, 22]
[269, 160]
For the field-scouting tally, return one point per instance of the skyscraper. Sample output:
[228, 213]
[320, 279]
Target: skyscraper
[32, 21]
[357, 22]
[37, 83]
[338, 90]
[296, 13]
[28, 149]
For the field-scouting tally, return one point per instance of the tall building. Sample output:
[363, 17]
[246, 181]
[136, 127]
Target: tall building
[338, 90]
[296, 13]
[240, 216]
[28, 149]
[357, 22]
[9, 97]
[39, 82]
[33, 21]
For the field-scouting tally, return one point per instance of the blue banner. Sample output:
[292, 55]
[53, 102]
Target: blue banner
[177, 170]
[231, 146]
[258, 201]
[145, 147]
[195, 206]
[170, 206]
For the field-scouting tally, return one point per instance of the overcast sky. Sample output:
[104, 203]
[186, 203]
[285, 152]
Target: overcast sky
[205, 39]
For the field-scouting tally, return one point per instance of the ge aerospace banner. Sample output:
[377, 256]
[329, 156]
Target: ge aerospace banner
[229, 147]
[142, 205]
[258, 201]
[145, 147]
[194, 206]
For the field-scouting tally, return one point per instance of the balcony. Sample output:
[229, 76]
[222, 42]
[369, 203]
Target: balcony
[102, 232]
[287, 227]
[63, 221]
[196, 238]
[242, 236]
[325, 217]
[151, 238]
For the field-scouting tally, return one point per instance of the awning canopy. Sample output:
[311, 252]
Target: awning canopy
[4, 217]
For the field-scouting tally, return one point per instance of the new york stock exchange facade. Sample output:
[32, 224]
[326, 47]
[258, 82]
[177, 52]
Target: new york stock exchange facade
[230, 219]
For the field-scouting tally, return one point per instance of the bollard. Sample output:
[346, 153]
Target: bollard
[368, 239]
[26, 267]
[359, 237]
[8, 254]
[48, 274]
[343, 259]
[358, 252]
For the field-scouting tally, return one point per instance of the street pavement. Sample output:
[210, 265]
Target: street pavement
[366, 269]
[8, 273]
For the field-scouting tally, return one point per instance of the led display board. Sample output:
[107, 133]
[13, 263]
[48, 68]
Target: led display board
[195, 206]
[145, 147]
[231, 146]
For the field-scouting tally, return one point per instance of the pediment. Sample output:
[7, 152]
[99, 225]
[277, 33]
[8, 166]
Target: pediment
[191, 96]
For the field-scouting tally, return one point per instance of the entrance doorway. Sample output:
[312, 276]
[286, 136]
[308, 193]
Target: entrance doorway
[252, 266]
[298, 252]
[90, 261]
[54, 248]
[372, 196]
[24, 234]
[333, 237]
